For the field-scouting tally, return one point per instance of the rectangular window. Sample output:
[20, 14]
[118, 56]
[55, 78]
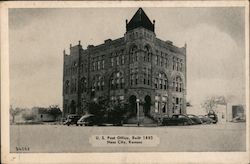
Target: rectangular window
[112, 62]
[136, 56]
[117, 60]
[102, 65]
[132, 79]
[160, 83]
[99, 65]
[112, 84]
[156, 83]
[123, 59]
[161, 61]
[166, 62]
[122, 83]
[136, 79]
[165, 84]
[93, 66]
[144, 78]
[173, 63]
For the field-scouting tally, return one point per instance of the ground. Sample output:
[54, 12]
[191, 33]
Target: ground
[75, 139]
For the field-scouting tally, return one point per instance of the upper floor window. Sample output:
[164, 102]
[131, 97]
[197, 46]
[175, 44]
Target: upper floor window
[134, 77]
[123, 60]
[112, 61]
[133, 54]
[147, 53]
[97, 83]
[67, 87]
[161, 81]
[178, 84]
[117, 81]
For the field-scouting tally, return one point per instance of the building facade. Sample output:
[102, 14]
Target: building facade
[138, 68]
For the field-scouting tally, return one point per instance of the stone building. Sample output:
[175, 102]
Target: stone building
[138, 67]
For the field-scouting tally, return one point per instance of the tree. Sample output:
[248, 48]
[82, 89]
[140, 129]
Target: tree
[210, 104]
[54, 110]
[117, 112]
[14, 112]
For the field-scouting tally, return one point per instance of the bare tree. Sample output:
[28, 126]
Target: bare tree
[14, 112]
[210, 104]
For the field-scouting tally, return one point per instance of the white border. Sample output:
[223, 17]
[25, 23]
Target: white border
[145, 157]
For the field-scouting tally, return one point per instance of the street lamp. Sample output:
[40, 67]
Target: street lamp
[138, 121]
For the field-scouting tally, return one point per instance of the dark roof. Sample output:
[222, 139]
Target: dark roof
[140, 19]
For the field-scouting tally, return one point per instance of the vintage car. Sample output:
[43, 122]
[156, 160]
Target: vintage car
[213, 116]
[177, 119]
[88, 120]
[195, 119]
[72, 119]
[206, 120]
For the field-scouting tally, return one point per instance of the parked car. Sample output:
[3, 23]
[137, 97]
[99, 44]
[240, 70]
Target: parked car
[72, 119]
[195, 119]
[177, 119]
[213, 116]
[206, 120]
[88, 120]
[238, 119]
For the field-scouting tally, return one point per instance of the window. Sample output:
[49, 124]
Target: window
[99, 65]
[122, 83]
[102, 84]
[144, 78]
[123, 60]
[112, 62]
[157, 60]
[178, 84]
[67, 87]
[93, 65]
[161, 81]
[166, 62]
[156, 83]
[103, 64]
[117, 81]
[136, 78]
[165, 84]
[133, 54]
[117, 60]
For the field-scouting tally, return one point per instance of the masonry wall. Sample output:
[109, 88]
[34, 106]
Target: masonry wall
[87, 83]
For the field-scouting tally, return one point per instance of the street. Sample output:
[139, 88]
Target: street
[75, 139]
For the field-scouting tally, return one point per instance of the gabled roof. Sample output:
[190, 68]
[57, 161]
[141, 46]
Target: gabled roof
[140, 19]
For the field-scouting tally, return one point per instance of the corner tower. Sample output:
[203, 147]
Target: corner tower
[140, 19]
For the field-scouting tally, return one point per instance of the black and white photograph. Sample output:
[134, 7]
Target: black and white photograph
[137, 78]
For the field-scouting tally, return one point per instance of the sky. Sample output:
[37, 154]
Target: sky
[214, 36]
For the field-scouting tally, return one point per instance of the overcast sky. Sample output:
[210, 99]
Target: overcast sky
[214, 37]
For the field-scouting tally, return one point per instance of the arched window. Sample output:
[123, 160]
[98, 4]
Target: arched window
[98, 83]
[178, 84]
[147, 53]
[133, 54]
[67, 87]
[117, 81]
[161, 81]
